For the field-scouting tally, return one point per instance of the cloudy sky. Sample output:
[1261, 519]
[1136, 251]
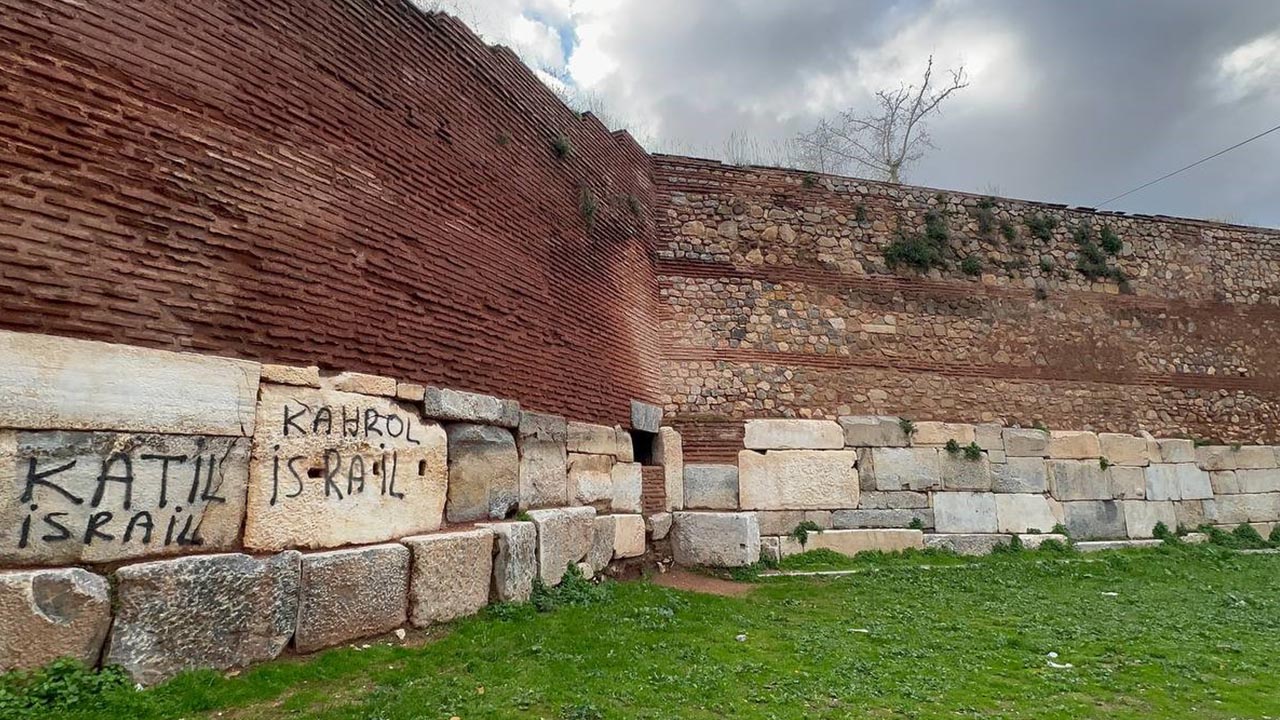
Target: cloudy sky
[1070, 101]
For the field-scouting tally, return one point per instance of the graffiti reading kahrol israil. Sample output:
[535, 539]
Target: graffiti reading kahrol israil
[342, 473]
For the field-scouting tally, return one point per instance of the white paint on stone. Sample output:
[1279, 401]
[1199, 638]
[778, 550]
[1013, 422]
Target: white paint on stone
[786, 434]
[797, 479]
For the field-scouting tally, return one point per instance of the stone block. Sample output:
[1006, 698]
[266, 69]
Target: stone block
[1026, 442]
[989, 436]
[997, 457]
[564, 538]
[484, 473]
[964, 543]
[458, 406]
[50, 614]
[1255, 457]
[854, 519]
[1101, 545]
[906, 468]
[711, 487]
[591, 480]
[624, 449]
[628, 536]
[1020, 513]
[332, 468]
[646, 417]
[715, 539]
[1224, 482]
[1215, 457]
[893, 500]
[56, 382]
[1141, 516]
[1194, 513]
[1088, 519]
[1020, 475]
[779, 522]
[1127, 482]
[93, 497]
[351, 593]
[450, 575]
[591, 439]
[602, 539]
[938, 433]
[852, 542]
[771, 549]
[1034, 541]
[515, 561]
[1180, 481]
[1235, 509]
[544, 461]
[873, 431]
[206, 611]
[410, 392]
[658, 525]
[1078, 480]
[1258, 481]
[1120, 449]
[778, 434]
[1176, 450]
[362, 384]
[668, 451]
[290, 375]
[961, 473]
[1074, 445]
[964, 512]
[797, 479]
[821, 518]
[627, 481]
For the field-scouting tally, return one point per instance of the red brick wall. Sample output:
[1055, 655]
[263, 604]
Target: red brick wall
[778, 301]
[353, 184]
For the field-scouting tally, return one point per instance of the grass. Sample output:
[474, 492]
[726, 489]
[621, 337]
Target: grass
[1171, 632]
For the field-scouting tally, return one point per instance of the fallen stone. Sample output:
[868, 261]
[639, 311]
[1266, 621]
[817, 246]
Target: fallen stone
[57, 382]
[1020, 475]
[207, 611]
[1120, 449]
[873, 431]
[852, 542]
[1255, 457]
[564, 538]
[515, 560]
[857, 519]
[965, 543]
[591, 480]
[591, 439]
[290, 375]
[1258, 481]
[1074, 445]
[624, 448]
[711, 487]
[1078, 480]
[1021, 513]
[50, 614]
[892, 500]
[1127, 483]
[544, 462]
[961, 473]
[627, 481]
[484, 473]
[645, 416]
[1090, 519]
[451, 574]
[1215, 457]
[362, 383]
[585, 569]
[1181, 481]
[715, 539]
[351, 593]
[658, 525]
[797, 479]
[1033, 541]
[964, 512]
[1176, 450]
[668, 451]
[1141, 516]
[458, 406]
[939, 433]
[793, 435]
[906, 468]
[1026, 442]
[628, 536]
[1100, 545]
[602, 539]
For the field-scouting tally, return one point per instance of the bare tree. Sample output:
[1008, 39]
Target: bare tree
[885, 142]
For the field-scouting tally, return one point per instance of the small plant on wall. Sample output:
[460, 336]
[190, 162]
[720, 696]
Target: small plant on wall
[921, 251]
[971, 265]
[1041, 226]
[588, 207]
[562, 146]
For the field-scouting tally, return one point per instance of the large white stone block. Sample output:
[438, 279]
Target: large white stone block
[591, 439]
[564, 538]
[627, 487]
[1178, 481]
[331, 468]
[1257, 508]
[484, 473]
[715, 539]
[1141, 516]
[515, 560]
[1026, 442]
[668, 451]
[628, 536]
[1089, 519]
[961, 473]
[1019, 513]
[797, 479]
[1020, 475]
[940, 433]
[450, 575]
[711, 487]
[853, 541]
[591, 480]
[1175, 450]
[906, 469]
[1120, 449]
[1074, 445]
[458, 406]
[544, 462]
[1078, 480]
[782, 434]
[873, 431]
[1258, 481]
[965, 512]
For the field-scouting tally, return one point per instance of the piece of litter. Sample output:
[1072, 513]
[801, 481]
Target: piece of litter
[1060, 666]
[1110, 594]
[1052, 655]
[741, 638]
[400, 633]
[859, 630]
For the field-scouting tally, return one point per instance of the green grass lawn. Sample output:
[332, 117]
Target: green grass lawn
[1165, 633]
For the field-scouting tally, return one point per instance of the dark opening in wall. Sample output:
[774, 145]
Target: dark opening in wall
[642, 444]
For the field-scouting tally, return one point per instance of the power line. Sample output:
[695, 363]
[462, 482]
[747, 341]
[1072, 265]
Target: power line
[1182, 169]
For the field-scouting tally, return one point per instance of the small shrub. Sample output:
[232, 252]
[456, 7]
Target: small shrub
[860, 213]
[1008, 231]
[952, 447]
[523, 516]
[986, 221]
[1039, 425]
[914, 251]
[1013, 546]
[1042, 293]
[936, 229]
[918, 524]
[589, 207]
[809, 180]
[819, 559]
[1104, 463]
[973, 451]
[1053, 545]
[971, 265]
[1235, 447]
[1248, 536]
[1046, 264]
[1274, 537]
[1162, 532]
[562, 146]
[1060, 529]
[574, 590]
[1041, 226]
[908, 427]
[1033, 531]
[635, 205]
[1111, 243]
[801, 531]
[61, 685]
[582, 711]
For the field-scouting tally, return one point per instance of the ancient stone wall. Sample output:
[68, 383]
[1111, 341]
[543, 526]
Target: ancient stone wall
[780, 298]
[355, 185]
[167, 511]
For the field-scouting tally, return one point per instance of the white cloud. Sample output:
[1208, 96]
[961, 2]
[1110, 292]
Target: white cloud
[1250, 69]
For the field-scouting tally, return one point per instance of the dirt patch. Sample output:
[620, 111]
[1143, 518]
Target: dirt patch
[679, 579]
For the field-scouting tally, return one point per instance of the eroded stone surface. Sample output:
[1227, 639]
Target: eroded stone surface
[544, 462]
[965, 543]
[290, 375]
[207, 611]
[964, 512]
[711, 487]
[1177, 482]
[1128, 483]
[1025, 442]
[797, 479]
[1258, 481]
[1176, 450]
[602, 538]
[873, 431]
[564, 538]
[627, 481]
[851, 542]
[1019, 513]
[72, 497]
[450, 575]
[961, 473]
[331, 468]
[484, 473]
[1235, 509]
[1120, 449]
[668, 451]
[351, 593]
[989, 437]
[362, 383]
[628, 536]
[658, 525]
[645, 416]
[458, 406]
[591, 439]
[939, 433]
[785, 434]
[1089, 519]
[49, 614]
[1078, 480]
[515, 560]
[591, 480]
[624, 447]
[871, 518]
[715, 539]
[1215, 457]
[892, 500]
[1255, 457]
[1141, 516]
[1074, 445]
[906, 468]
[1020, 475]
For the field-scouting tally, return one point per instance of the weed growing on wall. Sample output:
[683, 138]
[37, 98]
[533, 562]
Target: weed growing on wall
[1111, 243]
[1092, 259]
[574, 590]
[973, 451]
[634, 204]
[1008, 231]
[589, 207]
[809, 180]
[971, 265]
[952, 447]
[916, 524]
[801, 531]
[986, 217]
[1104, 463]
[860, 213]
[562, 146]
[908, 426]
[1041, 226]
[914, 251]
